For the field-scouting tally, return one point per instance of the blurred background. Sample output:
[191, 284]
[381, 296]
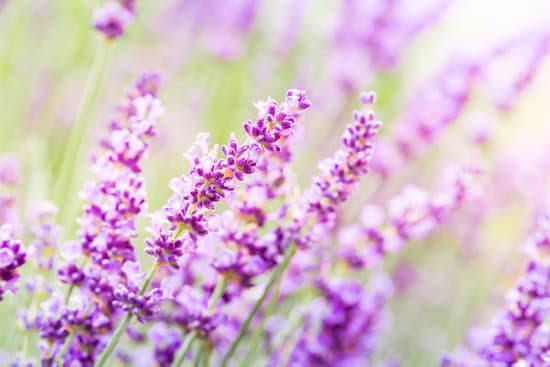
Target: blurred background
[218, 57]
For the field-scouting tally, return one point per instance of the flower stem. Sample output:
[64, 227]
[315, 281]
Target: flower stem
[104, 357]
[216, 295]
[256, 338]
[185, 348]
[200, 356]
[66, 347]
[277, 273]
[69, 341]
[73, 149]
[124, 324]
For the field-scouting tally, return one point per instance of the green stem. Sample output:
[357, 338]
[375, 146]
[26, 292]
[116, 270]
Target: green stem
[104, 357]
[277, 273]
[66, 347]
[186, 346]
[256, 338]
[69, 341]
[78, 129]
[207, 352]
[216, 295]
[126, 321]
[200, 356]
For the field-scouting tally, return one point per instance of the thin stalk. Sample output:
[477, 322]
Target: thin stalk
[200, 356]
[216, 295]
[104, 357]
[66, 347]
[277, 273]
[71, 287]
[186, 347]
[207, 353]
[69, 341]
[73, 149]
[126, 321]
[256, 338]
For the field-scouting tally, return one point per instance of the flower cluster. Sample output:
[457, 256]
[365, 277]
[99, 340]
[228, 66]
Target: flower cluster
[212, 179]
[117, 197]
[411, 215]
[373, 35]
[12, 257]
[113, 17]
[343, 326]
[245, 265]
[441, 100]
[107, 227]
[518, 334]
[339, 175]
[244, 254]
[46, 235]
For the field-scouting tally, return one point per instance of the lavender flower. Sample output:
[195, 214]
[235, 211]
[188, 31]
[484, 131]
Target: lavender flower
[373, 35]
[46, 236]
[113, 17]
[412, 215]
[117, 197]
[339, 176]
[12, 257]
[212, 178]
[518, 334]
[439, 102]
[240, 256]
[166, 342]
[108, 226]
[342, 328]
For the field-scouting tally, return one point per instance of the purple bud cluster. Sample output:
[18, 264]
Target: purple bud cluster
[440, 101]
[113, 17]
[518, 334]
[109, 283]
[373, 35]
[275, 121]
[411, 215]
[117, 197]
[211, 178]
[46, 235]
[339, 175]
[244, 254]
[343, 326]
[12, 257]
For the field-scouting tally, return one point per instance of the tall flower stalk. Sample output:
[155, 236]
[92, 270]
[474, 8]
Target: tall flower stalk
[189, 214]
[110, 20]
[318, 208]
[519, 333]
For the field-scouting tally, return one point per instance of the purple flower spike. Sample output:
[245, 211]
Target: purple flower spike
[12, 257]
[343, 326]
[339, 176]
[112, 19]
[275, 121]
[113, 202]
[212, 178]
[46, 236]
[519, 334]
